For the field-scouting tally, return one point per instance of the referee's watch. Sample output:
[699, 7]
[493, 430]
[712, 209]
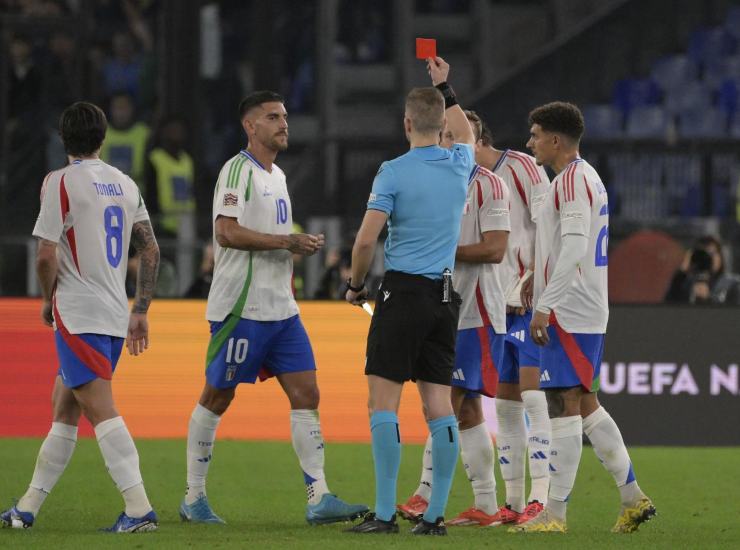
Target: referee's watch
[355, 288]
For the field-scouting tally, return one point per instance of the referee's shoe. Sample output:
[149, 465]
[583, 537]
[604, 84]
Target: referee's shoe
[425, 527]
[372, 524]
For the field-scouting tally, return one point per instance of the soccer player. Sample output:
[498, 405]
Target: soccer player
[421, 196]
[90, 212]
[570, 318]
[480, 340]
[255, 326]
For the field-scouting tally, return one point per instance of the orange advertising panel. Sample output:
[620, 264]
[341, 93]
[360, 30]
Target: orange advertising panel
[156, 392]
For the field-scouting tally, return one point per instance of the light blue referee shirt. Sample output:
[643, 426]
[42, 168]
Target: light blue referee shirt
[423, 192]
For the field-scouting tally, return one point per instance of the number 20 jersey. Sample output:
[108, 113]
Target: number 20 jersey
[253, 285]
[576, 203]
[88, 208]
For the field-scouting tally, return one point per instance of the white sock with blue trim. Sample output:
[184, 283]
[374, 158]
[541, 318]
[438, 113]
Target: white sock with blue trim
[308, 443]
[201, 437]
[511, 442]
[54, 455]
[424, 490]
[565, 456]
[540, 434]
[608, 445]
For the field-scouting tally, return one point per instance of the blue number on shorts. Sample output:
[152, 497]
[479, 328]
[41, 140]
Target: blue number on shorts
[114, 234]
[282, 210]
[602, 242]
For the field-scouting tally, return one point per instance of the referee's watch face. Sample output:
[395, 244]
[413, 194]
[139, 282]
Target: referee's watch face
[268, 124]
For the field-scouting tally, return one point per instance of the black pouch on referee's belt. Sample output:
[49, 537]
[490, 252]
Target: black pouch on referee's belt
[446, 286]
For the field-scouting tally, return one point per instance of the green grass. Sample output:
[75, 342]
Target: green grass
[257, 487]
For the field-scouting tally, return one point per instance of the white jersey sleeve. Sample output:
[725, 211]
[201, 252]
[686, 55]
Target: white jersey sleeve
[230, 200]
[576, 203]
[50, 223]
[493, 214]
[141, 214]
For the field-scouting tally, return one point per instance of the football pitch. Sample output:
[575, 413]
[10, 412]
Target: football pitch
[257, 488]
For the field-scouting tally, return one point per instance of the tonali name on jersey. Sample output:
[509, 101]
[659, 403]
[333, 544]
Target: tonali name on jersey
[89, 208]
[258, 200]
[576, 204]
[486, 209]
[528, 185]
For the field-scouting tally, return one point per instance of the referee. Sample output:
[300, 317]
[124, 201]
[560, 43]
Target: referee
[421, 195]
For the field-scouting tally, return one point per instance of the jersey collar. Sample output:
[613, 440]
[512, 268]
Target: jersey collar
[500, 160]
[251, 157]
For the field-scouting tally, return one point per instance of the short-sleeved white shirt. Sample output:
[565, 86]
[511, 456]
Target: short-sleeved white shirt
[252, 284]
[576, 204]
[479, 285]
[528, 185]
[88, 208]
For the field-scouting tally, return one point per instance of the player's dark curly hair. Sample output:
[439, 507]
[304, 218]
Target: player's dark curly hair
[258, 98]
[82, 128]
[480, 129]
[560, 117]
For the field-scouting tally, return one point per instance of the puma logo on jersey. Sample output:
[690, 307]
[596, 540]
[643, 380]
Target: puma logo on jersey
[545, 376]
[386, 295]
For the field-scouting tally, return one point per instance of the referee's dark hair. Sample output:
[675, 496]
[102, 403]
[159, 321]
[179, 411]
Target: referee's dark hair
[481, 131]
[82, 128]
[559, 117]
[256, 99]
[425, 107]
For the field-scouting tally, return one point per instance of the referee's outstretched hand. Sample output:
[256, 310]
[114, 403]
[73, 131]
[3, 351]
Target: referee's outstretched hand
[438, 69]
[305, 244]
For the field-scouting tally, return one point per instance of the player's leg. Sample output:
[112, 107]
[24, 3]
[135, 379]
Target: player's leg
[119, 453]
[52, 460]
[511, 439]
[291, 359]
[417, 503]
[609, 447]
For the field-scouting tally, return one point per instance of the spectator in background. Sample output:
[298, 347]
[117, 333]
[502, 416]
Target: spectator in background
[702, 278]
[202, 285]
[122, 71]
[24, 80]
[170, 177]
[333, 281]
[125, 143]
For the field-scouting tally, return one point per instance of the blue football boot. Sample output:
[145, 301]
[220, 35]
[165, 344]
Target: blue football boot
[332, 509]
[199, 511]
[125, 524]
[16, 519]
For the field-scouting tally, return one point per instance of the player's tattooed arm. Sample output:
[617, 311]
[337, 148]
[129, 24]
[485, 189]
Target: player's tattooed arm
[147, 249]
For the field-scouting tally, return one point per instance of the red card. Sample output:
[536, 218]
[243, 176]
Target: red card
[426, 47]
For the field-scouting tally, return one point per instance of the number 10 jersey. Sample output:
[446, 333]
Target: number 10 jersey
[88, 208]
[577, 204]
[252, 285]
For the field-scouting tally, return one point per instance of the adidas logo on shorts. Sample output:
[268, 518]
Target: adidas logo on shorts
[545, 376]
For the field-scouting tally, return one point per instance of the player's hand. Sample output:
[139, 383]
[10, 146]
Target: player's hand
[538, 328]
[47, 317]
[305, 244]
[527, 292]
[356, 298]
[138, 334]
[438, 69]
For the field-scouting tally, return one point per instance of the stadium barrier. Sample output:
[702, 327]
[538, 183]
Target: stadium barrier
[670, 376]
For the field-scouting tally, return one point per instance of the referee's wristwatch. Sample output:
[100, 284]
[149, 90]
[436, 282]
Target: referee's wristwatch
[359, 288]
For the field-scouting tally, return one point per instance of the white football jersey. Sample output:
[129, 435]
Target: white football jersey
[576, 204]
[89, 208]
[486, 209]
[252, 284]
[528, 185]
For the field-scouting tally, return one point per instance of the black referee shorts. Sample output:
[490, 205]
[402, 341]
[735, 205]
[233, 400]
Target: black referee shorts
[412, 333]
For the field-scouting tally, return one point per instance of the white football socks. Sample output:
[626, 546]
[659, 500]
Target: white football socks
[565, 455]
[308, 444]
[540, 434]
[122, 461]
[608, 445]
[511, 442]
[53, 457]
[427, 470]
[201, 436]
[476, 449]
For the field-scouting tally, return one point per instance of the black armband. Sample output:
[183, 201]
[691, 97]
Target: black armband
[448, 93]
[355, 288]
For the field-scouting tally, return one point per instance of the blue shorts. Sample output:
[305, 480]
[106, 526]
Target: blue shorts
[571, 360]
[478, 353]
[519, 350]
[85, 357]
[241, 350]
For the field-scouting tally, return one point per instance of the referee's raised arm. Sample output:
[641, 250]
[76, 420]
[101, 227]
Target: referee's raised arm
[457, 122]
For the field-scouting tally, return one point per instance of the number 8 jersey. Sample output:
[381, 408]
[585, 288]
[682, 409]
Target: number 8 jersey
[88, 208]
[577, 204]
[252, 285]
